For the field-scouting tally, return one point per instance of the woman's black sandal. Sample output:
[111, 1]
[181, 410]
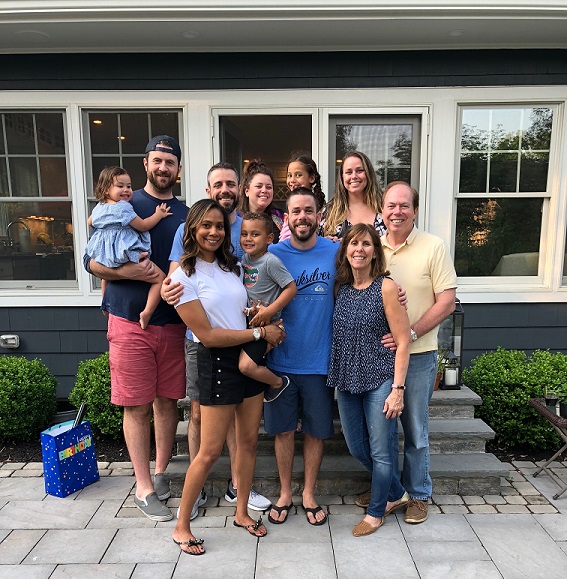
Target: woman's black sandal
[190, 543]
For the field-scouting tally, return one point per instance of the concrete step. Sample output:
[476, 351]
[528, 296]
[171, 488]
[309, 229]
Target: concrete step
[445, 435]
[444, 404]
[464, 474]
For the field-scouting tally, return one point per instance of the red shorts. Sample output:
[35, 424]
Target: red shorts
[145, 363]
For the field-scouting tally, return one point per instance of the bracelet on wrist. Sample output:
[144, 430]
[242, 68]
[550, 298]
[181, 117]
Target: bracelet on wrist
[397, 387]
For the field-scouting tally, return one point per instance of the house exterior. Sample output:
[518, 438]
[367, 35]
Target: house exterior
[467, 101]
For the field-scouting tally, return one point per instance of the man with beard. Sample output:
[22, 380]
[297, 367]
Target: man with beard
[304, 355]
[147, 367]
[222, 187]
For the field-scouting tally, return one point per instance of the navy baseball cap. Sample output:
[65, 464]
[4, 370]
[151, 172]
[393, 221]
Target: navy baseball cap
[170, 145]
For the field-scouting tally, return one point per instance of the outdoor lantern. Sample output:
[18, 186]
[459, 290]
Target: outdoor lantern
[451, 344]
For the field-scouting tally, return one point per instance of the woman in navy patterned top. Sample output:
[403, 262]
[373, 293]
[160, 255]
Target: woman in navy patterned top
[368, 377]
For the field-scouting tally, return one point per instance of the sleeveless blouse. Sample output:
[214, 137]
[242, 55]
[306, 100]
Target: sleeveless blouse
[359, 362]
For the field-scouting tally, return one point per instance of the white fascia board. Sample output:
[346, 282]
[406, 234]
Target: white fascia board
[57, 10]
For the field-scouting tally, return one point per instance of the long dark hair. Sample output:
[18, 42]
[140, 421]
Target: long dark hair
[378, 265]
[251, 169]
[226, 260]
[311, 168]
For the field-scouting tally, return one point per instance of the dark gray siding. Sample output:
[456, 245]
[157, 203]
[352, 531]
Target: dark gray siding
[282, 70]
[62, 337]
[515, 326]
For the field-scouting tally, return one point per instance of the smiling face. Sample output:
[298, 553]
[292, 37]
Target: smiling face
[254, 237]
[302, 217]
[354, 176]
[121, 189]
[223, 188]
[210, 234]
[360, 252]
[398, 211]
[260, 193]
[298, 176]
[161, 170]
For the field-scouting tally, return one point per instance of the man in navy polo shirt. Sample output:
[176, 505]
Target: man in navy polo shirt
[147, 367]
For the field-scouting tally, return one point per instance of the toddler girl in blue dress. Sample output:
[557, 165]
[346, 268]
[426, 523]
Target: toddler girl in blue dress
[119, 234]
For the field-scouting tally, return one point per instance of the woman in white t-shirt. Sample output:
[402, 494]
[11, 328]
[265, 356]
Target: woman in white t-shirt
[212, 307]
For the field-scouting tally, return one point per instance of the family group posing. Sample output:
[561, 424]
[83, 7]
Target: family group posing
[343, 297]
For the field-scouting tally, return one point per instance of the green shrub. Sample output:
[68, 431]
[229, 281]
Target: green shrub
[27, 397]
[93, 388]
[506, 380]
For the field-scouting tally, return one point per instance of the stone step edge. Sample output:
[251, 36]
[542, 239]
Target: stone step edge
[438, 428]
[463, 397]
[474, 465]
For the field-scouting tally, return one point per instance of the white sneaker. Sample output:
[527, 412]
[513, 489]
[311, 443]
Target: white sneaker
[201, 500]
[256, 501]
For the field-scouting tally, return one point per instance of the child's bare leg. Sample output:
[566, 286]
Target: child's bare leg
[153, 300]
[259, 373]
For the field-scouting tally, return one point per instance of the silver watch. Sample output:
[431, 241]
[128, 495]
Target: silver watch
[414, 336]
[257, 334]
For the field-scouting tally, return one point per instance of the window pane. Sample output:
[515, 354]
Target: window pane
[103, 128]
[533, 171]
[20, 134]
[4, 191]
[134, 129]
[475, 130]
[53, 171]
[136, 170]
[497, 236]
[473, 173]
[537, 129]
[39, 241]
[99, 163]
[23, 175]
[503, 172]
[164, 124]
[50, 134]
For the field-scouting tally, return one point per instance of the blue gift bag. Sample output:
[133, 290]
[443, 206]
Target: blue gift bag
[69, 458]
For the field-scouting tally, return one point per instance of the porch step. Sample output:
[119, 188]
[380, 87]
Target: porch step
[464, 474]
[445, 436]
[457, 440]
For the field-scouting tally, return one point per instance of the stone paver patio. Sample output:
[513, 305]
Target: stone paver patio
[98, 531]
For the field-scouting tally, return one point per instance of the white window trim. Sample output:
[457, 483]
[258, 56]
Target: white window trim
[437, 181]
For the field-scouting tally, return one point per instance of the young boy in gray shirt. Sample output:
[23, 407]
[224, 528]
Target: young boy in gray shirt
[270, 288]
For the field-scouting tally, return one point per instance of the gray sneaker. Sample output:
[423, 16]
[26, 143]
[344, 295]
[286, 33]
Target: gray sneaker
[270, 394]
[256, 501]
[201, 500]
[153, 508]
[161, 486]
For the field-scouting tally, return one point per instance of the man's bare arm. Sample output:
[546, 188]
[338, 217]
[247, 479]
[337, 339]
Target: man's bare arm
[145, 270]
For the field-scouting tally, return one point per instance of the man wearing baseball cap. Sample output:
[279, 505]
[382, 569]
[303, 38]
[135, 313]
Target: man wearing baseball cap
[147, 367]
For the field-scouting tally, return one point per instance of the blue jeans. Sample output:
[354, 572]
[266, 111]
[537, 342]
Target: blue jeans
[420, 381]
[369, 438]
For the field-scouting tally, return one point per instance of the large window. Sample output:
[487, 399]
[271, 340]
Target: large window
[503, 192]
[36, 229]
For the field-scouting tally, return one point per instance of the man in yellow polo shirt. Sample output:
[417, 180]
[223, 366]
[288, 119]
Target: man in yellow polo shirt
[422, 265]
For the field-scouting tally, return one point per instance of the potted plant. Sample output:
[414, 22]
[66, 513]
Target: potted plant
[551, 399]
[561, 394]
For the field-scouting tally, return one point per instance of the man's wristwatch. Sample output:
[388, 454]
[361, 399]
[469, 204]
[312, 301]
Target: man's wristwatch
[414, 336]
[257, 334]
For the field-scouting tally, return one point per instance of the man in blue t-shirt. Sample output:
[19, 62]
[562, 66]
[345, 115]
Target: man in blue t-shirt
[304, 355]
[147, 367]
